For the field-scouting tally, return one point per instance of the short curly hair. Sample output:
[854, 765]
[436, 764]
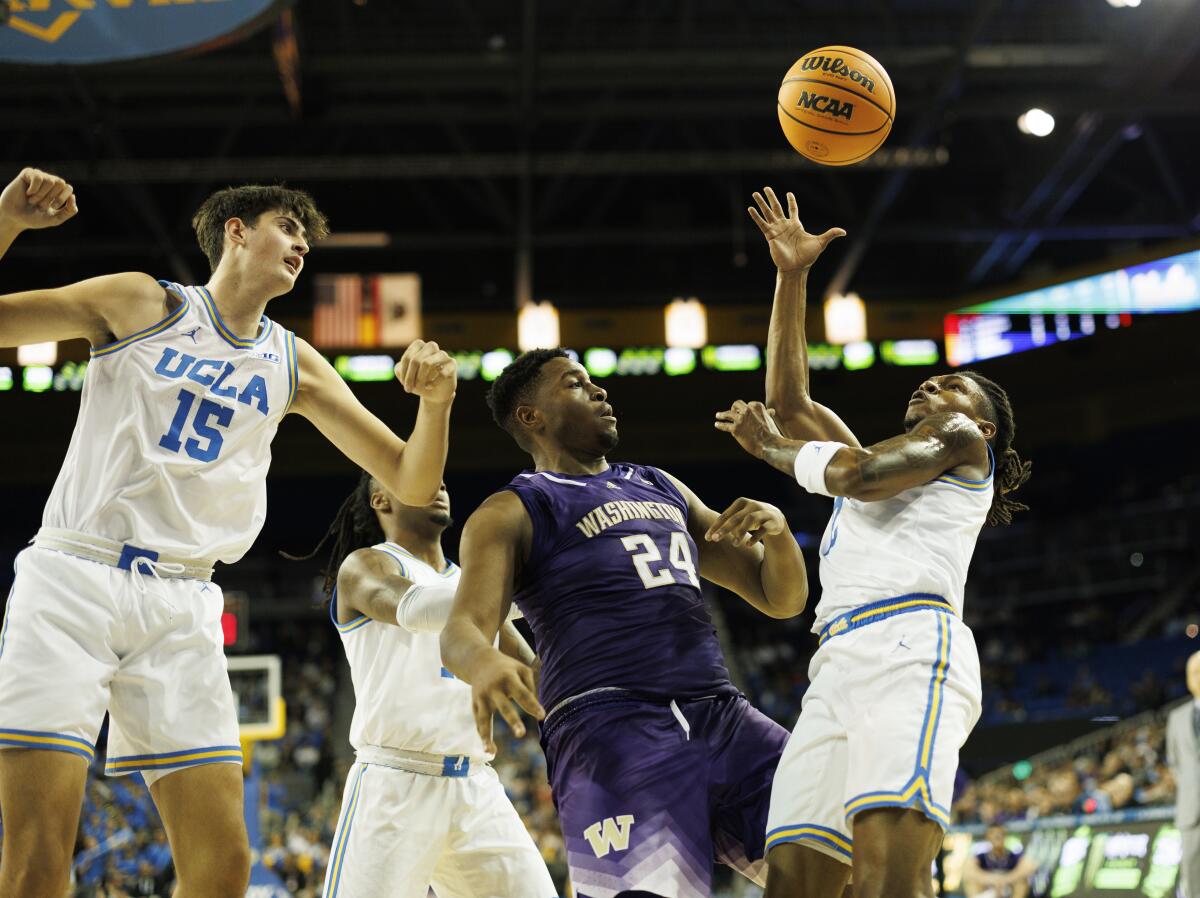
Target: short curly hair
[248, 203]
[515, 385]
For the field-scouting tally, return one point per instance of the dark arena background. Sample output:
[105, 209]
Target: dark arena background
[503, 175]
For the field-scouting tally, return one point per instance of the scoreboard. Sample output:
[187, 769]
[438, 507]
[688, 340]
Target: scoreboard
[1084, 857]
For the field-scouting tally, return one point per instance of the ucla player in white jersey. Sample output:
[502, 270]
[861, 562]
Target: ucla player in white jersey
[112, 607]
[866, 780]
[422, 805]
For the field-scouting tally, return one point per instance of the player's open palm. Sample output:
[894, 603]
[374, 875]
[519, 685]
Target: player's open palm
[37, 199]
[792, 247]
[500, 681]
[747, 522]
[428, 371]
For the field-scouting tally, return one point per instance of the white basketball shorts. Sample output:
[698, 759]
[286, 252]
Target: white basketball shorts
[893, 695]
[400, 832]
[81, 637]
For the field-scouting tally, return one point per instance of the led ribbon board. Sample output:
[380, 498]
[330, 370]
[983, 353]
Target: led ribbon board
[74, 32]
[1072, 310]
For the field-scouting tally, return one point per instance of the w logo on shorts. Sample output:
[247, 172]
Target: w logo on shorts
[609, 834]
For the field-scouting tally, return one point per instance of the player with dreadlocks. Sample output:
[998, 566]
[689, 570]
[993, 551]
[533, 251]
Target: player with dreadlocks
[866, 779]
[422, 806]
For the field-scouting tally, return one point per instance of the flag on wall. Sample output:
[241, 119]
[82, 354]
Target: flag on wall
[353, 310]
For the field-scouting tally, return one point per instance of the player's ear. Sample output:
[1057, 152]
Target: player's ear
[987, 428]
[380, 501]
[235, 230]
[528, 417]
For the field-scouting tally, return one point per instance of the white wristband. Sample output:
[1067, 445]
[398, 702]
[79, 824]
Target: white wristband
[811, 461]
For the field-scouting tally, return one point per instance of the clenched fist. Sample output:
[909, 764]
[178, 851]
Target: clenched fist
[37, 199]
[428, 371]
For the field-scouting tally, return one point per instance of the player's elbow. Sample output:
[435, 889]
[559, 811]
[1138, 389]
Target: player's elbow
[788, 605]
[417, 498]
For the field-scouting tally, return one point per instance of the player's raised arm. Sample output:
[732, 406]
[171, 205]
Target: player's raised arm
[99, 309]
[411, 471]
[495, 540]
[937, 444]
[793, 250]
[749, 549]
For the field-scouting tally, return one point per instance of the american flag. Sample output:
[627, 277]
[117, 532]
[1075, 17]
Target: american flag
[339, 312]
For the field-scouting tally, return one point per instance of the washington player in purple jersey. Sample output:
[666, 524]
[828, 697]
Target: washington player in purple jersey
[657, 764]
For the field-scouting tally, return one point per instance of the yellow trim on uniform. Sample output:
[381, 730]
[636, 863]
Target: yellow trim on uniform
[974, 486]
[939, 681]
[52, 741]
[293, 367]
[334, 873]
[919, 787]
[350, 626]
[151, 331]
[223, 329]
[851, 619]
[810, 833]
[172, 760]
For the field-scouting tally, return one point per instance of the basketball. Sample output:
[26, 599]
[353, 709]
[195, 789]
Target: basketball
[836, 105]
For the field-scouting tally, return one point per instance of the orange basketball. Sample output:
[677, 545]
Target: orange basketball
[836, 105]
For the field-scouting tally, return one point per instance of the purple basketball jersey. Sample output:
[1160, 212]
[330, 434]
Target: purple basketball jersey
[611, 588]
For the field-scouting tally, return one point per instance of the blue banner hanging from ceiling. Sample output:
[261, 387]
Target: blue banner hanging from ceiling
[88, 32]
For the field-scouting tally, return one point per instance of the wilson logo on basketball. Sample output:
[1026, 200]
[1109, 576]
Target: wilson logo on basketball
[835, 65]
[828, 105]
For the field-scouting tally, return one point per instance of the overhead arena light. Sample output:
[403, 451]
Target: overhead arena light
[686, 323]
[845, 319]
[537, 326]
[1124, 3]
[37, 354]
[1037, 122]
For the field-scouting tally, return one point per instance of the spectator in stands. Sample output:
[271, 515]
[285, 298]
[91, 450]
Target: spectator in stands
[998, 870]
[1183, 752]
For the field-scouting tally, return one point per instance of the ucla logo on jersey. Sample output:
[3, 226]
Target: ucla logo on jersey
[213, 374]
[609, 834]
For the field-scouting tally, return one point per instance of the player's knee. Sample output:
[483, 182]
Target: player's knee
[894, 880]
[41, 870]
[221, 872]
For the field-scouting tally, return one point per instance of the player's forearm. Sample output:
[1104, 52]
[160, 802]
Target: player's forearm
[423, 460]
[787, 344]
[463, 646]
[8, 233]
[784, 576]
[872, 474]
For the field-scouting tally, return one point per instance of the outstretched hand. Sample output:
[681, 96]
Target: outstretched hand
[747, 522]
[428, 371]
[792, 247]
[37, 199]
[752, 424]
[495, 685]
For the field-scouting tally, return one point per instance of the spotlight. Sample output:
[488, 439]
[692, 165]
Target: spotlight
[1037, 122]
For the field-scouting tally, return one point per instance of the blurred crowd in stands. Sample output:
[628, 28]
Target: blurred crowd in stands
[1122, 770]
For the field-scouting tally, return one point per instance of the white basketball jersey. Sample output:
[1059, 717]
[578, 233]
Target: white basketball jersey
[404, 698]
[919, 541]
[173, 440]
